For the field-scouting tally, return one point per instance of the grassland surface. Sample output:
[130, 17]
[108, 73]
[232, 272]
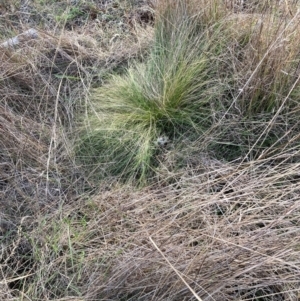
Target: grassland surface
[149, 150]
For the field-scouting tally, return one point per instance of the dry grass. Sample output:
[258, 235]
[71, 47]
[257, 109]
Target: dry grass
[231, 238]
[208, 228]
[44, 85]
[229, 230]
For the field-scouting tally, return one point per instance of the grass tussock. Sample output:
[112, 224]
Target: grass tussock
[171, 95]
[208, 69]
[200, 110]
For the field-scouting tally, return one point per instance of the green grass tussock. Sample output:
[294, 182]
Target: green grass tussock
[207, 72]
[171, 94]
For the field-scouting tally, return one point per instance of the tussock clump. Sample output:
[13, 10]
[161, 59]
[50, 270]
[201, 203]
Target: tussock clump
[171, 94]
[267, 61]
[226, 79]
[262, 102]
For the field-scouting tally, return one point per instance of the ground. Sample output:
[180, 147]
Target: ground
[216, 217]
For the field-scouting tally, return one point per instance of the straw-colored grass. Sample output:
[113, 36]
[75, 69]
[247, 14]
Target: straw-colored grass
[230, 231]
